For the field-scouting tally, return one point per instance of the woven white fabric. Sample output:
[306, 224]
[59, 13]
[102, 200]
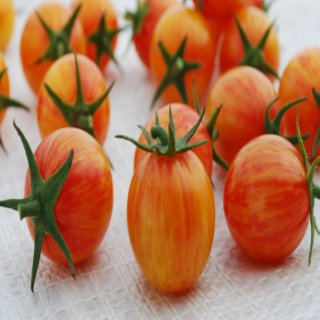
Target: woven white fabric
[110, 285]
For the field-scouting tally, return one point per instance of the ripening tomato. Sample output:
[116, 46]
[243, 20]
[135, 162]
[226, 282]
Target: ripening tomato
[254, 23]
[144, 22]
[6, 22]
[4, 85]
[100, 25]
[183, 33]
[62, 79]
[245, 94]
[266, 198]
[217, 9]
[184, 118]
[38, 50]
[299, 78]
[84, 207]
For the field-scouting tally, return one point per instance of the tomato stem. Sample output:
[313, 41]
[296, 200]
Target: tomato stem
[39, 205]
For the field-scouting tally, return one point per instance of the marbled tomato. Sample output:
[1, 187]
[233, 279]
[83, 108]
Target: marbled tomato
[299, 78]
[84, 207]
[35, 40]
[184, 118]
[4, 85]
[6, 22]
[171, 217]
[266, 198]
[245, 94]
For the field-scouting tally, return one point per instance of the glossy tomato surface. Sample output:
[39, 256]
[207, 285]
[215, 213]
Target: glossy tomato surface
[174, 25]
[84, 207]
[6, 22]
[90, 15]
[61, 78]
[245, 94]
[255, 23]
[171, 218]
[266, 199]
[35, 40]
[184, 119]
[4, 85]
[300, 76]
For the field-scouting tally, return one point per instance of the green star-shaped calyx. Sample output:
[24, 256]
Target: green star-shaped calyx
[137, 17]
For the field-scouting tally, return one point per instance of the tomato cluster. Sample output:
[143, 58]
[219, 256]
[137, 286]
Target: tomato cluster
[246, 128]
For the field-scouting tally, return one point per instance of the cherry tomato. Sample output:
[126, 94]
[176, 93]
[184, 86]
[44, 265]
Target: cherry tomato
[144, 22]
[183, 33]
[100, 25]
[4, 85]
[299, 78]
[35, 42]
[255, 24]
[184, 118]
[6, 22]
[266, 198]
[62, 79]
[245, 94]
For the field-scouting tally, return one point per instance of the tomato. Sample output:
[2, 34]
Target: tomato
[266, 198]
[181, 33]
[6, 22]
[4, 86]
[184, 118]
[245, 94]
[170, 211]
[299, 78]
[38, 50]
[255, 24]
[216, 9]
[62, 80]
[68, 197]
[100, 25]
[144, 22]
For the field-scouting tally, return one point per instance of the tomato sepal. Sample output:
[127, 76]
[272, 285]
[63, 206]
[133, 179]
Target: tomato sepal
[177, 67]
[137, 17]
[254, 55]
[39, 205]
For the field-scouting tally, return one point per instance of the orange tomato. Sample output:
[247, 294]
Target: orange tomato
[245, 94]
[176, 24]
[4, 85]
[299, 77]
[184, 118]
[266, 199]
[61, 78]
[171, 218]
[90, 16]
[255, 23]
[6, 22]
[35, 40]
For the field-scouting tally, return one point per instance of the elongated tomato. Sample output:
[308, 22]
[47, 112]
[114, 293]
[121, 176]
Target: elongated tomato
[6, 22]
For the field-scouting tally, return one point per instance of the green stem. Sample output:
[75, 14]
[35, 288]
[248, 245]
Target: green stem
[30, 210]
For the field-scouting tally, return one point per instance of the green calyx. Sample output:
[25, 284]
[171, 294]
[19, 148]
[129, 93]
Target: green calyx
[267, 5]
[254, 56]
[59, 42]
[39, 205]
[200, 4]
[314, 190]
[316, 96]
[166, 144]
[137, 17]
[273, 127]
[177, 67]
[213, 132]
[102, 40]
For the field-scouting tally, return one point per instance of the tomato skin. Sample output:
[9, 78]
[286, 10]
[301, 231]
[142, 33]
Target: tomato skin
[62, 80]
[245, 94]
[174, 25]
[35, 41]
[84, 207]
[266, 199]
[254, 22]
[216, 9]
[184, 119]
[4, 85]
[142, 40]
[90, 16]
[6, 22]
[171, 220]
[299, 77]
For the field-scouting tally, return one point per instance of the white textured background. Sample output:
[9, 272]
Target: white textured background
[110, 285]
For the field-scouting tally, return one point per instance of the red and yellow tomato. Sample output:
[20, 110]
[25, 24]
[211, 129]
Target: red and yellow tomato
[4, 85]
[6, 22]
